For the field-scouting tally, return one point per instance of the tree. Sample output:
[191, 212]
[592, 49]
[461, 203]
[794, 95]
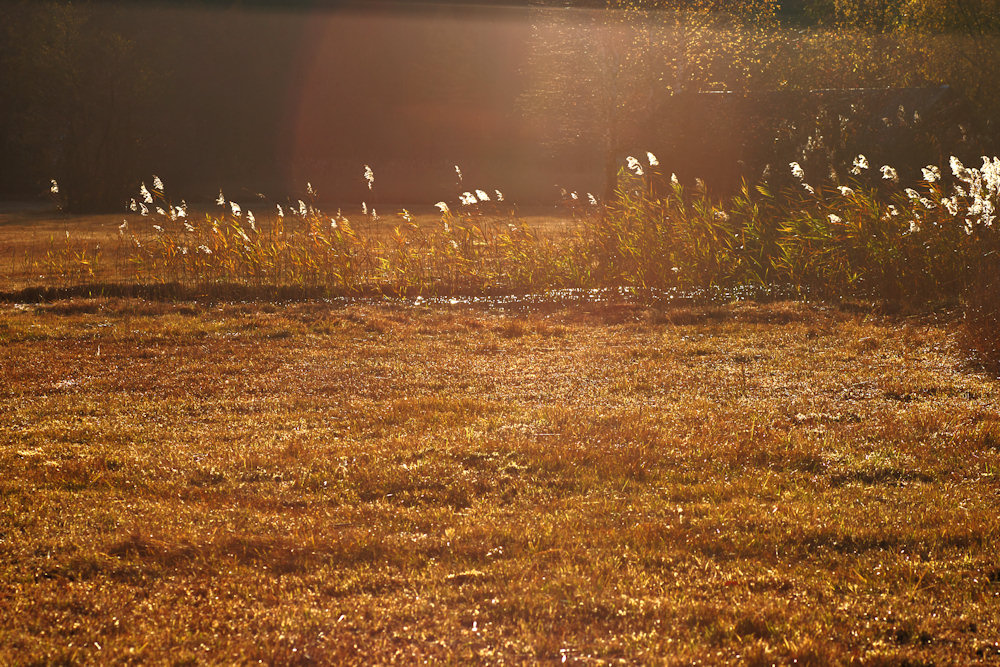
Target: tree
[612, 79]
[959, 44]
[80, 97]
[597, 77]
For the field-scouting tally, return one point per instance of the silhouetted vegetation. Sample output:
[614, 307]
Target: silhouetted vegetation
[96, 95]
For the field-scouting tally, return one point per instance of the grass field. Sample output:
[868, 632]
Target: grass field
[386, 482]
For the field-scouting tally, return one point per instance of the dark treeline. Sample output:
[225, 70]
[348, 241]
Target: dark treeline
[101, 95]
[98, 95]
[256, 96]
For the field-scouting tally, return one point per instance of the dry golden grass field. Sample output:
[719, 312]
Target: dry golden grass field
[320, 483]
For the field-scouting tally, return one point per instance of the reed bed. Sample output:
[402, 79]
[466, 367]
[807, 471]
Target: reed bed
[869, 236]
[930, 241]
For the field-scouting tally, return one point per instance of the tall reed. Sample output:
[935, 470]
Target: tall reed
[867, 237]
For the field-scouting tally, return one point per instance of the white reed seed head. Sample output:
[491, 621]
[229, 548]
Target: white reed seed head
[959, 170]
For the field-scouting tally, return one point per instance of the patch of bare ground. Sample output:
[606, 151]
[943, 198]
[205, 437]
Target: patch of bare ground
[305, 484]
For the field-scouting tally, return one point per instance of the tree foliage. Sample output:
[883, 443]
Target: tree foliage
[608, 78]
[86, 91]
[598, 75]
[83, 90]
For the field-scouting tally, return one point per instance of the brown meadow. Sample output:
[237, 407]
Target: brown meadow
[213, 482]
